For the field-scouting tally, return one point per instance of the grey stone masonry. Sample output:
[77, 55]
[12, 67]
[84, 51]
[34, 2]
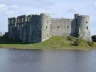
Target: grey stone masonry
[38, 28]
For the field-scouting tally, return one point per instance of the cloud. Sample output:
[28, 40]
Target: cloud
[94, 4]
[2, 6]
[10, 12]
[14, 6]
[7, 9]
[73, 10]
[29, 3]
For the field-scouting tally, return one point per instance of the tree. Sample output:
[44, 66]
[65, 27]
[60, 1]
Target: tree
[94, 38]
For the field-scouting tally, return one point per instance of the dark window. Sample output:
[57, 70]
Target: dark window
[67, 26]
[86, 21]
[58, 26]
[87, 28]
[46, 26]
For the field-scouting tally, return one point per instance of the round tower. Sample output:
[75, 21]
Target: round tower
[83, 29]
[45, 26]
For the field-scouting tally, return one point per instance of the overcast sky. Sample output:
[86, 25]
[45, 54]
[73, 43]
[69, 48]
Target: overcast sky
[57, 8]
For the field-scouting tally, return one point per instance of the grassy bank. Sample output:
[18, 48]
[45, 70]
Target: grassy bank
[56, 42]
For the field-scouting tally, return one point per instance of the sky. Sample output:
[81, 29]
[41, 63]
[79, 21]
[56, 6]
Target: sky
[57, 8]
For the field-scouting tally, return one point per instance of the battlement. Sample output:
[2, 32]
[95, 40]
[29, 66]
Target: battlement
[11, 20]
[21, 19]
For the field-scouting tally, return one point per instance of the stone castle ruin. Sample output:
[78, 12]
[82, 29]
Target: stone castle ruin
[38, 28]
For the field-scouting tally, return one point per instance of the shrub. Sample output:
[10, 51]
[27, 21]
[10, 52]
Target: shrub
[76, 42]
[69, 38]
[73, 40]
[94, 38]
[90, 43]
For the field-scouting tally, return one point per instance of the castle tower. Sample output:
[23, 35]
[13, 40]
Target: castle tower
[23, 29]
[12, 27]
[29, 28]
[45, 26]
[83, 29]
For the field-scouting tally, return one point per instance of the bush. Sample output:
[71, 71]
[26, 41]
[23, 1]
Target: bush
[90, 43]
[94, 38]
[69, 38]
[75, 42]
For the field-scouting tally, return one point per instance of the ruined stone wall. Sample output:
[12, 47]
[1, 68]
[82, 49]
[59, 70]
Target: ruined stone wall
[11, 27]
[25, 28]
[29, 28]
[20, 25]
[34, 26]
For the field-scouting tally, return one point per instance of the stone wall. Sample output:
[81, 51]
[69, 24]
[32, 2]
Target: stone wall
[63, 27]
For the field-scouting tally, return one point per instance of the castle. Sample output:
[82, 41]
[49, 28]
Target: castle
[38, 28]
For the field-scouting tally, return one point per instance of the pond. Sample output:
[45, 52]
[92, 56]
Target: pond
[47, 61]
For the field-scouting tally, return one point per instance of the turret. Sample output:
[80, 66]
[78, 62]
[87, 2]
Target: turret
[45, 26]
[83, 29]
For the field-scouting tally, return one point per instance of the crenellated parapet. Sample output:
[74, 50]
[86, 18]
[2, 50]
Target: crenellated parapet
[11, 21]
[28, 19]
[21, 19]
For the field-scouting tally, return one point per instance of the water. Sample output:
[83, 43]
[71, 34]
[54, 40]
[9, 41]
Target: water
[47, 61]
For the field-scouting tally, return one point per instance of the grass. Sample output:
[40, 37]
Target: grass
[55, 42]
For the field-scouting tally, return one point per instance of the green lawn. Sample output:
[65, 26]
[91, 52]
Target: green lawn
[55, 42]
